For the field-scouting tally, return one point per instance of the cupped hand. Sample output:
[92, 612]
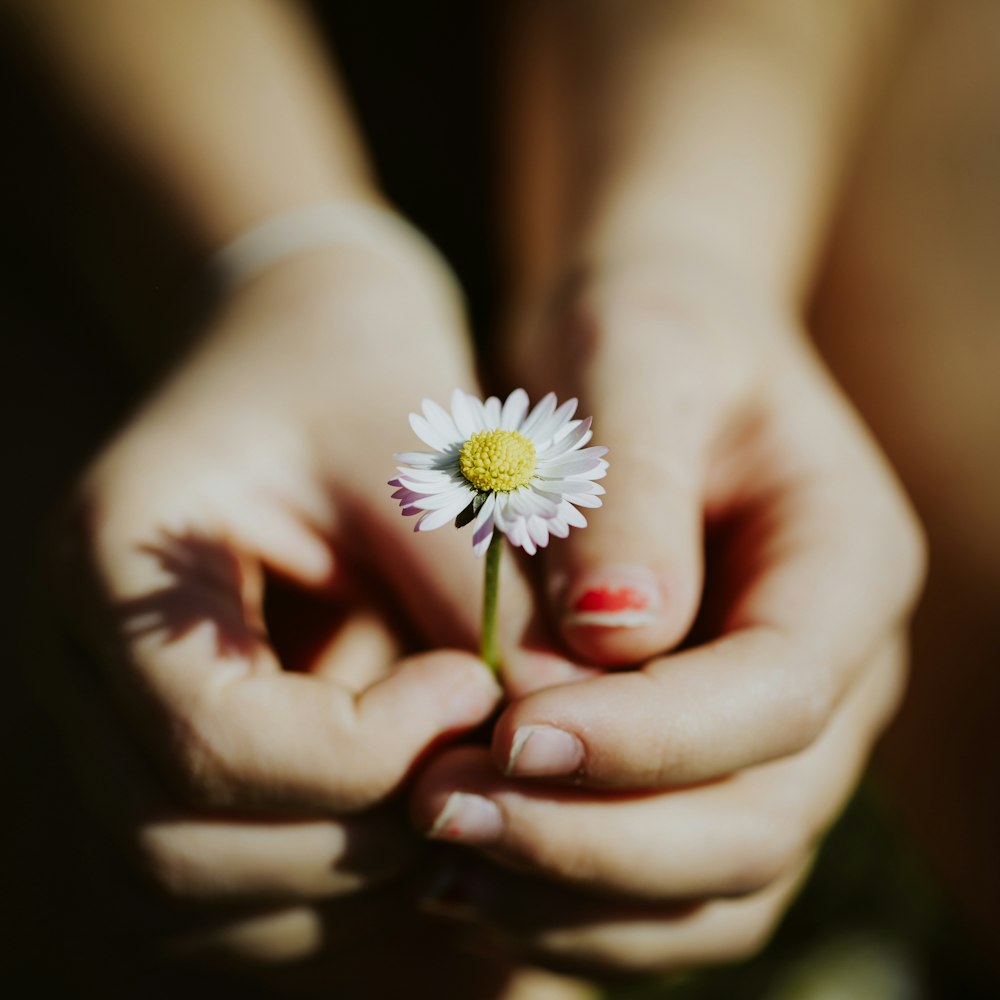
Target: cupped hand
[256, 607]
[761, 676]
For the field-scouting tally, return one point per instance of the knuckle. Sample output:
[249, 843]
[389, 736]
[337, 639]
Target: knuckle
[903, 541]
[810, 704]
[805, 694]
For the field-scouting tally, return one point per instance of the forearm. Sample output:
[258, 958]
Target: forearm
[230, 108]
[718, 128]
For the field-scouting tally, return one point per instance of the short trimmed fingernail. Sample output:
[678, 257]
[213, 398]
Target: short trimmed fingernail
[544, 751]
[624, 597]
[468, 818]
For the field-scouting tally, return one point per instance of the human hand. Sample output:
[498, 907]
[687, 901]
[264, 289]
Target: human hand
[249, 594]
[679, 803]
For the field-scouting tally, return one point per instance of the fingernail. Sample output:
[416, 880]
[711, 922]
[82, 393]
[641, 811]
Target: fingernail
[624, 597]
[470, 819]
[544, 750]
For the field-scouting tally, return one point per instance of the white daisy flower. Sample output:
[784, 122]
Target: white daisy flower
[502, 468]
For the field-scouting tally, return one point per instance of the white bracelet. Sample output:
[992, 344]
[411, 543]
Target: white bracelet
[328, 223]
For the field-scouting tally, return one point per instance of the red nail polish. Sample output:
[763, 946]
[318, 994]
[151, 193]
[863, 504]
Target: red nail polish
[619, 597]
[608, 599]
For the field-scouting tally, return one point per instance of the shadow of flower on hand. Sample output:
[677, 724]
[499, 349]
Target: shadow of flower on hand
[206, 583]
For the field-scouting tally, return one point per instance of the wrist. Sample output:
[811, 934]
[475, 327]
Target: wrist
[680, 281]
[363, 224]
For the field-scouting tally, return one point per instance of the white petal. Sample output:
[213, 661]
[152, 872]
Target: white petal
[438, 501]
[538, 531]
[491, 411]
[482, 529]
[517, 534]
[553, 497]
[427, 434]
[482, 537]
[550, 428]
[440, 420]
[558, 527]
[428, 475]
[596, 453]
[576, 437]
[565, 429]
[417, 459]
[500, 514]
[553, 480]
[565, 486]
[583, 499]
[443, 485]
[542, 411]
[486, 511]
[514, 409]
[527, 501]
[569, 467]
[438, 518]
[468, 413]
[569, 514]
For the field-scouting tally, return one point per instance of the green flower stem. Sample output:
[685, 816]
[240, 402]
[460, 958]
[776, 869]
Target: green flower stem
[491, 590]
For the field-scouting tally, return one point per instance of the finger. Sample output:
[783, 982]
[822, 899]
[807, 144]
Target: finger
[565, 928]
[198, 859]
[722, 931]
[272, 937]
[813, 584]
[627, 587]
[359, 654]
[728, 837]
[229, 727]
[261, 738]
[195, 859]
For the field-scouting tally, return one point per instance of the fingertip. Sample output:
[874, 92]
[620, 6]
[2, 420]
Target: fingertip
[475, 691]
[620, 615]
[448, 689]
[462, 768]
[540, 738]
[544, 751]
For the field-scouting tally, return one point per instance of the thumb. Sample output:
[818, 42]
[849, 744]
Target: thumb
[628, 586]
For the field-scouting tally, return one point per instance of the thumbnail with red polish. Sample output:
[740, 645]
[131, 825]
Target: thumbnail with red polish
[612, 599]
[625, 598]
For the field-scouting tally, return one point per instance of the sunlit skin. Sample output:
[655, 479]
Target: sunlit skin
[669, 299]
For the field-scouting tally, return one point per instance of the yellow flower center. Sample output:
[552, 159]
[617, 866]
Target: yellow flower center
[497, 461]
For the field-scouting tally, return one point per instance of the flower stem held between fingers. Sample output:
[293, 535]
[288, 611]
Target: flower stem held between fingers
[491, 590]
